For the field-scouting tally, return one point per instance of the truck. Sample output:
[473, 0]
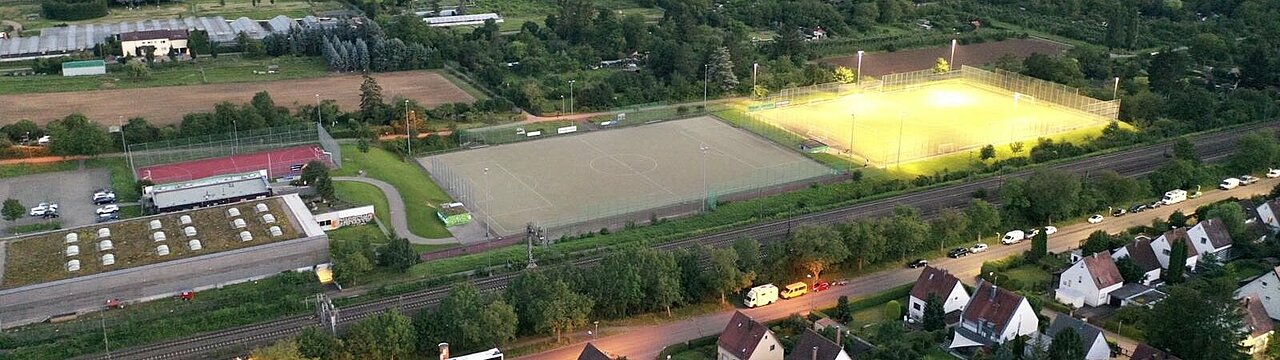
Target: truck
[760, 296]
[1174, 196]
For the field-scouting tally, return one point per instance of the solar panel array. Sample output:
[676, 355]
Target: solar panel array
[72, 38]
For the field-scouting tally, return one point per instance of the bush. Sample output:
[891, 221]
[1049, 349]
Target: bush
[73, 9]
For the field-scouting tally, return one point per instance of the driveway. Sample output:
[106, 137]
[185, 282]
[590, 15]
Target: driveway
[395, 204]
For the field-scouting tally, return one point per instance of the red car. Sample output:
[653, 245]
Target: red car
[187, 295]
[821, 286]
[115, 304]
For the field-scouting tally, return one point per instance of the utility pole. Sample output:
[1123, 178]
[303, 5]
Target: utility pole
[571, 96]
[1115, 90]
[408, 137]
[531, 233]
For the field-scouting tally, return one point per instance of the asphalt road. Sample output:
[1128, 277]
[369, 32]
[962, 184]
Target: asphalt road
[645, 342]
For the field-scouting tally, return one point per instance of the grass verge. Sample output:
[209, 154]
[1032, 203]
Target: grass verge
[225, 69]
[121, 177]
[16, 170]
[364, 194]
[419, 193]
[37, 227]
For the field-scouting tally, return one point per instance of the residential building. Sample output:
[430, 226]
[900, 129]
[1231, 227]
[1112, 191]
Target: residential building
[993, 316]
[1092, 340]
[1267, 213]
[591, 352]
[1089, 282]
[1146, 352]
[1267, 288]
[940, 283]
[1141, 253]
[746, 339]
[1257, 324]
[87, 67]
[813, 346]
[1211, 237]
[1162, 247]
[160, 42]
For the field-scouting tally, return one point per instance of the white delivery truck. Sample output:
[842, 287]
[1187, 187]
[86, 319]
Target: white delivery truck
[1174, 197]
[761, 295]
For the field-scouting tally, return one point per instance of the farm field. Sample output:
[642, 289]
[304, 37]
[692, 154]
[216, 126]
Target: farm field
[167, 105]
[19, 10]
[881, 63]
[224, 69]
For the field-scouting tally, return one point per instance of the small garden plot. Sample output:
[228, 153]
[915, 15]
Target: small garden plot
[44, 258]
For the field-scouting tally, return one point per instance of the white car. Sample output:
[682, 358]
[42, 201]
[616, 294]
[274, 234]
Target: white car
[1247, 179]
[107, 209]
[1032, 233]
[1273, 173]
[1013, 237]
[977, 248]
[1096, 218]
[1050, 230]
[1229, 183]
[43, 208]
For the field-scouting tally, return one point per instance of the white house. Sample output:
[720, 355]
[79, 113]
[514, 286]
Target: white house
[745, 339]
[993, 316]
[1267, 288]
[1089, 281]
[1257, 324]
[1267, 213]
[1092, 339]
[813, 346]
[1141, 253]
[1162, 247]
[939, 283]
[1210, 236]
[161, 42]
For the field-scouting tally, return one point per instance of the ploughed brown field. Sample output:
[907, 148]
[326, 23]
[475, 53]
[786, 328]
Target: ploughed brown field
[880, 63]
[167, 105]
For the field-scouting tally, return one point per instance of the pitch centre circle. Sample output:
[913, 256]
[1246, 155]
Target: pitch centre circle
[624, 164]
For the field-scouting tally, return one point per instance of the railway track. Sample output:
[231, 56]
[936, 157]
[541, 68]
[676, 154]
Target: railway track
[1132, 162]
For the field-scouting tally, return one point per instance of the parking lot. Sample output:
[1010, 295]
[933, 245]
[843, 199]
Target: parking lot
[71, 190]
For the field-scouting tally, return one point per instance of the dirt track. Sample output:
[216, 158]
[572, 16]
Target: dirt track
[167, 105]
[877, 64]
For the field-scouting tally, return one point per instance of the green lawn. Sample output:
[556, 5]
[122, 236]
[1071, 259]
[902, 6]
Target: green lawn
[121, 177]
[225, 69]
[364, 194]
[362, 232]
[15, 170]
[420, 194]
[1029, 277]
[938, 354]
[37, 227]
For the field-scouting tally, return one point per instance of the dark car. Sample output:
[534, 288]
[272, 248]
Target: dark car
[821, 286]
[957, 252]
[1118, 212]
[1138, 208]
[918, 263]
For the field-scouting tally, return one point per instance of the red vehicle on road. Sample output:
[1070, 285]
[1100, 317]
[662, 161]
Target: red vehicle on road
[115, 304]
[187, 295]
[821, 286]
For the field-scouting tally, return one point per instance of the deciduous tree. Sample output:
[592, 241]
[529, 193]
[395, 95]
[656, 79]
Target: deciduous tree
[813, 249]
[1066, 346]
[845, 75]
[398, 255]
[386, 336]
[13, 209]
[1208, 324]
[934, 314]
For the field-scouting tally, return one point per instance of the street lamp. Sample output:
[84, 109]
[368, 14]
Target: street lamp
[319, 119]
[597, 331]
[858, 79]
[487, 232]
[408, 138]
[571, 95]
[1115, 90]
[952, 64]
[561, 103]
[706, 71]
[235, 131]
[754, 67]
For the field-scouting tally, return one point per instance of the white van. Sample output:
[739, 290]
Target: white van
[1013, 237]
[1229, 183]
[761, 295]
[1174, 197]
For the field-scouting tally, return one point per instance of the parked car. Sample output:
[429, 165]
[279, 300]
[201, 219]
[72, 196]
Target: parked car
[115, 304]
[42, 209]
[821, 286]
[186, 295]
[108, 209]
[1097, 218]
[977, 248]
[1032, 233]
[1118, 212]
[1156, 204]
[1247, 179]
[794, 290]
[918, 263]
[957, 252]
[1173, 197]
[108, 217]
[1273, 173]
[1138, 208]
[104, 198]
[1229, 183]
[1013, 237]
[1050, 230]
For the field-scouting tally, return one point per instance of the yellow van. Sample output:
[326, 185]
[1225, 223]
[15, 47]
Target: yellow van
[794, 290]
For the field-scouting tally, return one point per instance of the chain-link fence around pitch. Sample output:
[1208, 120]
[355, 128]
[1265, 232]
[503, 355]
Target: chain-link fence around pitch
[230, 144]
[632, 116]
[1009, 83]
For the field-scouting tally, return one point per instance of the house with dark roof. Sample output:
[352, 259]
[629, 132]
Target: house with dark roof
[1211, 237]
[1162, 246]
[746, 339]
[1141, 253]
[1257, 324]
[994, 316]
[1146, 352]
[813, 346]
[591, 352]
[1089, 282]
[1093, 342]
[1267, 288]
[1268, 212]
[941, 284]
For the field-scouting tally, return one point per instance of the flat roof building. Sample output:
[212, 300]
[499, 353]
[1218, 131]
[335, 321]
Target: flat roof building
[221, 189]
[87, 67]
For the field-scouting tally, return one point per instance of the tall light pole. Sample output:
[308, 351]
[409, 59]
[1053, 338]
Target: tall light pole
[952, 64]
[562, 104]
[706, 71]
[487, 232]
[408, 137]
[125, 143]
[853, 118]
[754, 68]
[1115, 90]
[571, 95]
[705, 195]
[319, 119]
[235, 131]
[858, 78]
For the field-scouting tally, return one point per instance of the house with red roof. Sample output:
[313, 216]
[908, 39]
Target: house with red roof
[746, 339]
[1089, 282]
[1141, 253]
[941, 284]
[994, 316]
[1257, 324]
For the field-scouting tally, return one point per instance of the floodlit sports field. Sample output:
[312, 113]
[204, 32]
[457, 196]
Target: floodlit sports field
[599, 176]
[927, 120]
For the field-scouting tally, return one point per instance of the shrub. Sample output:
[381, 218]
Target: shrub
[73, 9]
